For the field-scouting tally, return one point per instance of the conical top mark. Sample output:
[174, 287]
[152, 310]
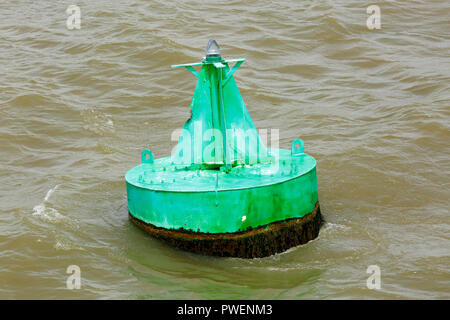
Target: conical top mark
[212, 48]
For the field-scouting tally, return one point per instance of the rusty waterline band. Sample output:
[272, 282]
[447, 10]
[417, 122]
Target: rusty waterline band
[260, 242]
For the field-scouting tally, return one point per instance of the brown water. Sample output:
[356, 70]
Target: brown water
[77, 106]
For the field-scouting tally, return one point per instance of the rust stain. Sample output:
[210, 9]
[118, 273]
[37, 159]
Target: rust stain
[259, 242]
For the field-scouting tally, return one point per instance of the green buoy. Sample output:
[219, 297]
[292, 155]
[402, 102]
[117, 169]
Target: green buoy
[223, 192]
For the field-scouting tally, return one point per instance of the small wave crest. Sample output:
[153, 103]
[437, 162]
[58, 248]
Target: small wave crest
[47, 212]
[331, 227]
[98, 122]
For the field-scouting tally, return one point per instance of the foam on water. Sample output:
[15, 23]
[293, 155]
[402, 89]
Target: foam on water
[45, 212]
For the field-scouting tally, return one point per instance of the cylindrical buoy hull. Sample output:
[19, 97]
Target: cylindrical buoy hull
[251, 211]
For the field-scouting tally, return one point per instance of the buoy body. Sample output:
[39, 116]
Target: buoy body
[223, 192]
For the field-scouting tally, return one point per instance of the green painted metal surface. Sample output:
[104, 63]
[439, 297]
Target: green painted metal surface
[221, 177]
[220, 131]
